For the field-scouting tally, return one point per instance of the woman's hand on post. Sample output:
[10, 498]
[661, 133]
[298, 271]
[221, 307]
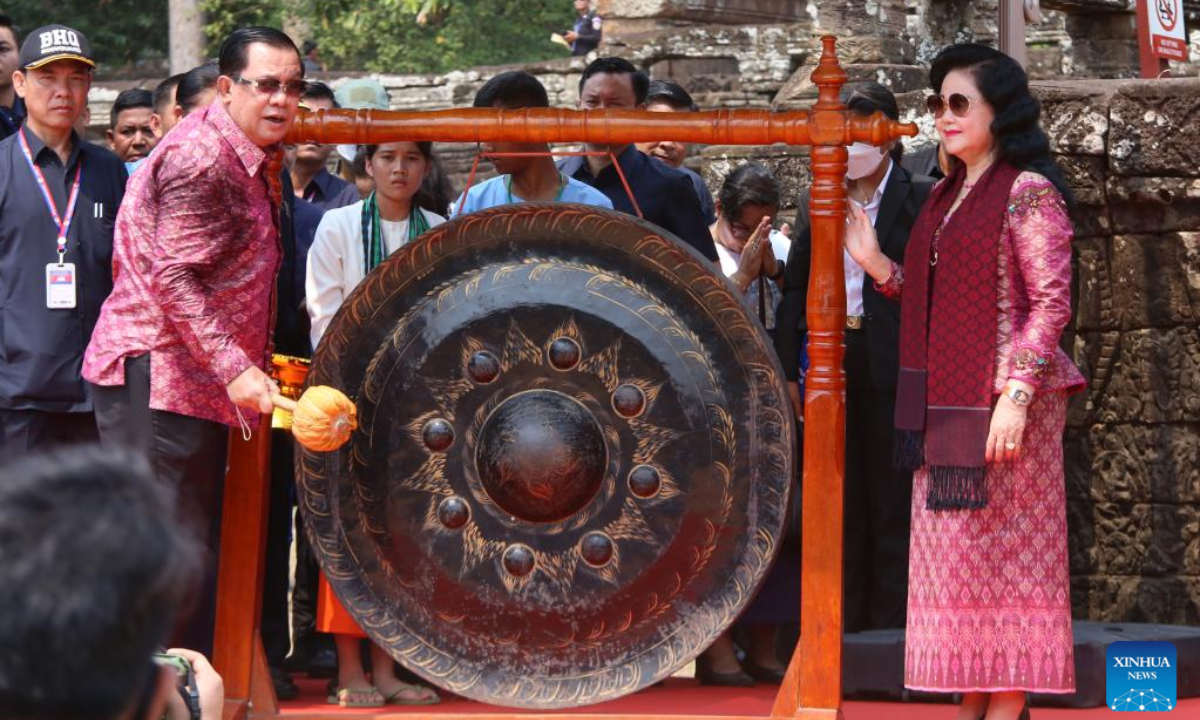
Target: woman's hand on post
[863, 245]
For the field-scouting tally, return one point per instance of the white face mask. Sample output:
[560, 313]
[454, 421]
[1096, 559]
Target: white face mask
[864, 159]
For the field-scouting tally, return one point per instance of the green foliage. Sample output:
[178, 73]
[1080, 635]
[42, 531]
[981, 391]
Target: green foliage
[375, 35]
[385, 35]
[224, 16]
[121, 32]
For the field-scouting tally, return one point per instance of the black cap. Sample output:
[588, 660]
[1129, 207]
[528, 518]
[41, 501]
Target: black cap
[54, 42]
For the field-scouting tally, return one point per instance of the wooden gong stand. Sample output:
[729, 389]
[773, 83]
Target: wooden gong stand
[813, 686]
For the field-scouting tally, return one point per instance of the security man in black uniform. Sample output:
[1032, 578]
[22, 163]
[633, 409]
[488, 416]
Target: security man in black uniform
[58, 204]
[585, 34]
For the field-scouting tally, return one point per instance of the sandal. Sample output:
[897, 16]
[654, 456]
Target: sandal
[397, 699]
[356, 698]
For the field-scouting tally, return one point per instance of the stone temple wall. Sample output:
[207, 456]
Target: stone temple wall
[1132, 152]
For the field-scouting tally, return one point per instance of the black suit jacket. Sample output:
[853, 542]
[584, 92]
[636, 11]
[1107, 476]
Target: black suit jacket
[923, 162]
[902, 200]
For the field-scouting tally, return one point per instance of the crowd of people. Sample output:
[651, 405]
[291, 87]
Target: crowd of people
[146, 286]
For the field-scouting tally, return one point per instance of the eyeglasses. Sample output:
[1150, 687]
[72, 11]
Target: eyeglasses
[959, 104]
[270, 86]
[740, 231]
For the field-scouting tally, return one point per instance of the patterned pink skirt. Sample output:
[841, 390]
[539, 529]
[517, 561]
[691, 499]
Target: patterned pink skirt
[989, 605]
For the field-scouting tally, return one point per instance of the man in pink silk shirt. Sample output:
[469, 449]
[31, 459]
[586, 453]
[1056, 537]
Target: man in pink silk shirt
[179, 351]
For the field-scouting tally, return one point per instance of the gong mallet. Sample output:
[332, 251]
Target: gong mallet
[322, 419]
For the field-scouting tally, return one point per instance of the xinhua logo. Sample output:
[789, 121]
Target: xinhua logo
[1141, 676]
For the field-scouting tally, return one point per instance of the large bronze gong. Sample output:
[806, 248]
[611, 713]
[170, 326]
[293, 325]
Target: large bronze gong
[573, 459]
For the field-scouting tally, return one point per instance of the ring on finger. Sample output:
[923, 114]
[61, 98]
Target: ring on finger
[1010, 445]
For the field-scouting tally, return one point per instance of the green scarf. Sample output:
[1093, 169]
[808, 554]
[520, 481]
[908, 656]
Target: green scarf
[374, 251]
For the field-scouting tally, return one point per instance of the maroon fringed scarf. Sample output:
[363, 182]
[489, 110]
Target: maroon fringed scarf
[948, 338]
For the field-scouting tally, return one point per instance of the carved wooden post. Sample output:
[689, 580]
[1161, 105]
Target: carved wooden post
[824, 406]
[237, 647]
[813, 686]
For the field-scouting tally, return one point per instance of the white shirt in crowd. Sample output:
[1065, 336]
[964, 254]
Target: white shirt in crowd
[336, 262]
[855, 275]
[780, 245]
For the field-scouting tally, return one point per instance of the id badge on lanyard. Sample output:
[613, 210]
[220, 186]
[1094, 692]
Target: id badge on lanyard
[60, 286]
[61, 280]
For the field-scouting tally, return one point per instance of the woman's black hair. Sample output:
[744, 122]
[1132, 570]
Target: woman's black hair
[669, 92]
[194, 83]
[1005, 87]
[436, 193]
[424, 146]
[868, 98]
[750, 184]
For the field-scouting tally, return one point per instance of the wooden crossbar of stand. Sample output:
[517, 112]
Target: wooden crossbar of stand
[812, 688]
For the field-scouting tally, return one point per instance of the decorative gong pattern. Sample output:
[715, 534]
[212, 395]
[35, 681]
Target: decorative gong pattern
[573, 457]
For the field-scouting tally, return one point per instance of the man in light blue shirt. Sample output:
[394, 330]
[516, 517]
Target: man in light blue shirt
[522, 179]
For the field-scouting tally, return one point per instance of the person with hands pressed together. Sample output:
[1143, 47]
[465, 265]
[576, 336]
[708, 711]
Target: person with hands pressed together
[984, 296]
[751, 255]
[748, 247]
[179, 353]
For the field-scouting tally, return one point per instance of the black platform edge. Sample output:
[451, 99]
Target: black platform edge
[873, 663]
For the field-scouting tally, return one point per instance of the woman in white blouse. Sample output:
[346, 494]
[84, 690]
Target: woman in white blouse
[751, 253]
[350, 242]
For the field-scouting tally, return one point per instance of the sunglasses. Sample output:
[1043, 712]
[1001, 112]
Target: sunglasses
[270, 86]
[958, 103]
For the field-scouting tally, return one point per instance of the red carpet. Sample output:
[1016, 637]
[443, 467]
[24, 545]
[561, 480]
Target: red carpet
[679, 697]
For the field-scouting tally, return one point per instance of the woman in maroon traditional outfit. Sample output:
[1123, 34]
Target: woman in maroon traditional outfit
[981, 398]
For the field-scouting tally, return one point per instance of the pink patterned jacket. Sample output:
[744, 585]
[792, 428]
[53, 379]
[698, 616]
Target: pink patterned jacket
[1034, 288]
[195, 255]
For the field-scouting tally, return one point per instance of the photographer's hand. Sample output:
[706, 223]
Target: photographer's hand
[177, 709]
[208, 682]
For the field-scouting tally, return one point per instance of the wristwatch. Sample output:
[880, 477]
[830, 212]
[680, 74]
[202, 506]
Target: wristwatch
[778, 270]
[1017, 395]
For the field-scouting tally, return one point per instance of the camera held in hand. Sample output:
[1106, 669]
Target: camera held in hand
[186, 683]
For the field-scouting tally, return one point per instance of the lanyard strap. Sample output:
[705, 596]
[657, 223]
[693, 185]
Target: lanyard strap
[62, 221]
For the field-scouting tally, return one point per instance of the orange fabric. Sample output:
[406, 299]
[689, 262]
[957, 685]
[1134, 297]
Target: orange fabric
[332, 617]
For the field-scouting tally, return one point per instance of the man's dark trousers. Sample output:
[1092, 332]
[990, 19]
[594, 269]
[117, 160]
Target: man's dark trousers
[877, 501]
[189, 455]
